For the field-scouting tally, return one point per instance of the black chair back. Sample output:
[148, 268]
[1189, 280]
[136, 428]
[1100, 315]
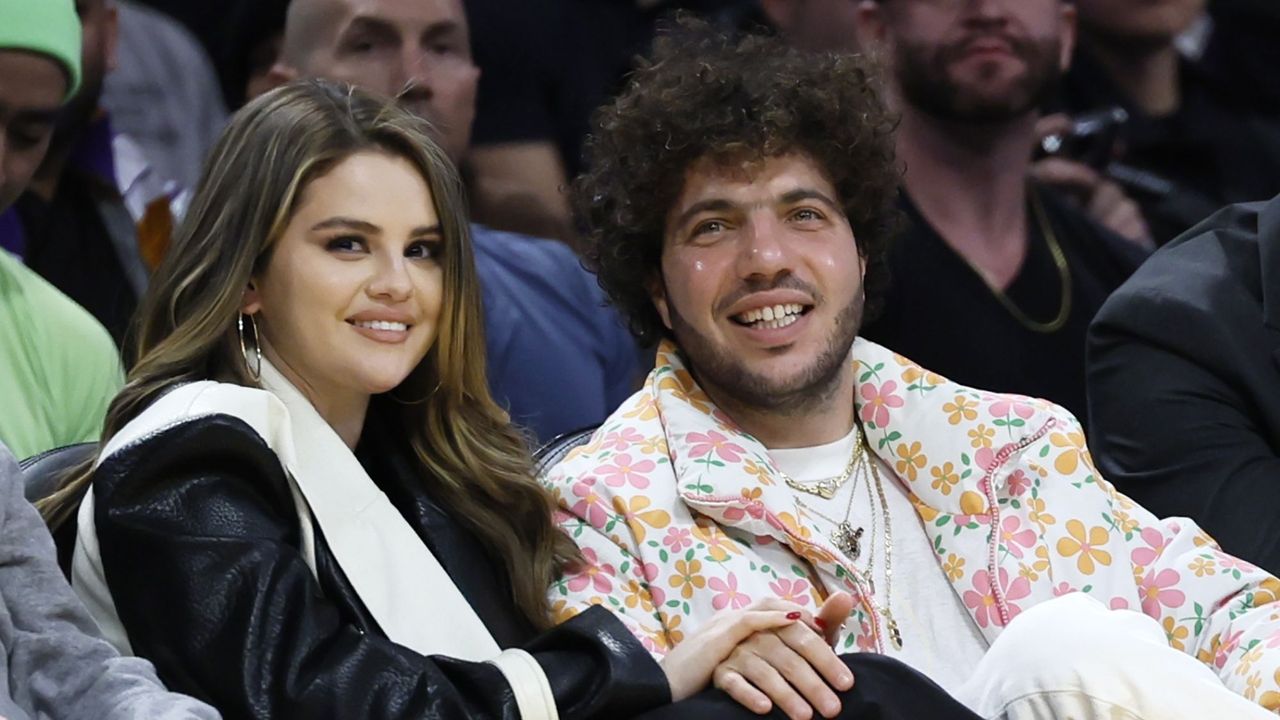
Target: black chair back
[551, 453]
[43, 473]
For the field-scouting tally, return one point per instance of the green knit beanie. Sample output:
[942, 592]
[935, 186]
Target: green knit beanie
[49, 27]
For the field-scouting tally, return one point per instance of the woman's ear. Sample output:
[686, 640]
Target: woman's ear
[252, 301]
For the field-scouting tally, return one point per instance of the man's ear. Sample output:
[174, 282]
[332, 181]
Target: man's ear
[280, 74]
[658, 294]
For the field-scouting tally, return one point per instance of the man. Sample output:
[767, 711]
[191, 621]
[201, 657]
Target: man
[558, 359]
[996, 279]
[94, 214]
[58, 366]
[1188, 148]
[739, 202]
[1183, 381]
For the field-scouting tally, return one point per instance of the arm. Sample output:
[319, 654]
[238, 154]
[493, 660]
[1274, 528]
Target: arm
[228, 610]
[1176, 436]
[58, 665]
[520, 186]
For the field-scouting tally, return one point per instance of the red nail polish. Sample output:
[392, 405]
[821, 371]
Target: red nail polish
[793, 615]
[820, 623]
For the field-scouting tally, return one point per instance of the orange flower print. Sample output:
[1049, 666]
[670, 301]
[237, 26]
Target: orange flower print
[981, 436]
[944, 478]
[638, 516]
[953, 567]
[1271, 699]
[1202, 567]
[688, 577]
[656, 445]
[1037, 513]
[674, 633]
[645, 409]
[911, 460]
[1089, 548]
[1251, 686]
[929, 379]
[636, 596]
[961, 409]
[1177, 634]
[1074, 452]
[1042, 559]
[759, 471]
[719, 545]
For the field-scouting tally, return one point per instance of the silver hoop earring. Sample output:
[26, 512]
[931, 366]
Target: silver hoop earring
[255, 368]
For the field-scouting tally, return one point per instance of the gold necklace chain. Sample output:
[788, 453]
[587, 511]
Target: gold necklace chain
[827, 487]
[843, 535]
[885, 610]
[1059, 262]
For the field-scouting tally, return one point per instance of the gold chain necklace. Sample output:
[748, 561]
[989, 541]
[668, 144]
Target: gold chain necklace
[827, 487]
[1059, 262]
[847, 539]
[844, 535]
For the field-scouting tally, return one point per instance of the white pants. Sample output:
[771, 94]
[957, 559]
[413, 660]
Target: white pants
[1072, 658]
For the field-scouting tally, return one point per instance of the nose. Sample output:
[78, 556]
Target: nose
[415, 71]
[391, 281]
[986, 11]
[763, 250]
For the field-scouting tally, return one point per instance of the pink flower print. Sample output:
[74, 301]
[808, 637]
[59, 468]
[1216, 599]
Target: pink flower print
[624, 470]
[984, 458]
[796, 591]
[713, 442]
[592, 573]
[1063, 588]
[1156, 543]
[1230, 562]
[590, 505]
[1273, 640]
[1228, 646]
[677, 539]
[1016, 539]
[982, 601]
[1018, 483]
[877, 401]
[1119, 603]
[727, 594]
[621, 440]
[1005, 406]
[866, 641]
[1157, 589]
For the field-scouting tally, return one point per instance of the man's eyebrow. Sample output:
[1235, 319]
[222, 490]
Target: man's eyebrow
[795, 196]
[367, 23]
[347, 223]
[442, 28]
[708, 205]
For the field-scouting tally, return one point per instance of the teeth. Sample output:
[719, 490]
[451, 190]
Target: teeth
[382, 325]
[772, 317]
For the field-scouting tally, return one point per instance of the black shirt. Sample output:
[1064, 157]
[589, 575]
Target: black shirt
[940, 313]
[69, 245]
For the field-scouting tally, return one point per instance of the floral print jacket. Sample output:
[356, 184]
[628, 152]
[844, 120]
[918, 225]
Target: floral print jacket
[680, 514]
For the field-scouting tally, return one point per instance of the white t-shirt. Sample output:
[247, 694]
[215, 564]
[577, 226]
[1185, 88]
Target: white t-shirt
[939, 638]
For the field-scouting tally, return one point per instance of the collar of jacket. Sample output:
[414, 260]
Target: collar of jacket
[928, 418]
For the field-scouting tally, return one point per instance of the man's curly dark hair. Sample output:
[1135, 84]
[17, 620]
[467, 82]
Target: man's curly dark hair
[705, 93]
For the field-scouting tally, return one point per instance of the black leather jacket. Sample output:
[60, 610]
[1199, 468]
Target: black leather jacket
[200, 541]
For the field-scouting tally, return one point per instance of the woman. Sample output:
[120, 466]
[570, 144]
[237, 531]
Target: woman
[307, 504]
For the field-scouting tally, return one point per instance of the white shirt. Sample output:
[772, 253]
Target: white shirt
[939, 638]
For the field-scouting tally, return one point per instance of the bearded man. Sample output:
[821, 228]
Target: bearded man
[739, 202]
[996, 278]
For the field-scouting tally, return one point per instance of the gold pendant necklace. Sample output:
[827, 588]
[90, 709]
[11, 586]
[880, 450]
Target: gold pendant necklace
[843, 534]
[827, 487]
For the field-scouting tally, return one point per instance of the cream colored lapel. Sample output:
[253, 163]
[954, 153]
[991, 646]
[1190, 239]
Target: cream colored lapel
[402, 584]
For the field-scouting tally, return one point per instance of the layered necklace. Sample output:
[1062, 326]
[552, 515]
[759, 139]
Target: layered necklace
[846, 537]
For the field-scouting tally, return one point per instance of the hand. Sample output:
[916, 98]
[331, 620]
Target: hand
[763, 655]
[1101, 199]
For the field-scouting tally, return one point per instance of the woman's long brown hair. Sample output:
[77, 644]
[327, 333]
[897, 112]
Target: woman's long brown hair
[186, 326]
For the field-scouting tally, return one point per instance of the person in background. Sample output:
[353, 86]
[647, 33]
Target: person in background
[1187, 148]
[558, 358]
[1183, 381]
[737, 214]
[58, 367]
[163, 93]
[996, 277]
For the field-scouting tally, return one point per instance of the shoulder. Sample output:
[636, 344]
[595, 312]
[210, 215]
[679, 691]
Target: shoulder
[632, 433]
[546, 265]
[62, 323]
[1213, 267]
